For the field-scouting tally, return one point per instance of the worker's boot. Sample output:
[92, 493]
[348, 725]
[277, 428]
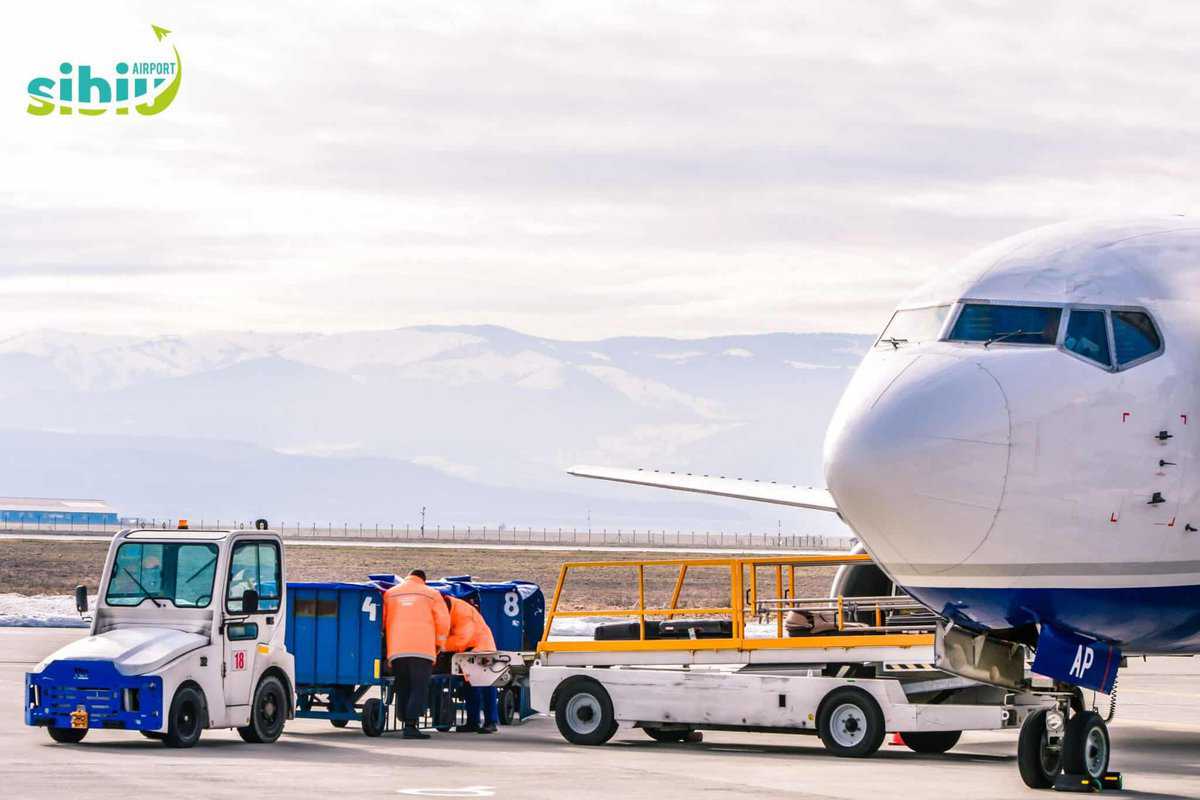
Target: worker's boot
[488, 728]
[411, 731]
[468, 728]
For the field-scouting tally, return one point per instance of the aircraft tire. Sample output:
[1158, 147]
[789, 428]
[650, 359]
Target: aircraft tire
[1086, 746]
[1037, 763]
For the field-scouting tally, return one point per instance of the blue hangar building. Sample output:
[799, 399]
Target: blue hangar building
[43, 510]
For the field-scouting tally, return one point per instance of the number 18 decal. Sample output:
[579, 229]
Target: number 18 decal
[239, 659]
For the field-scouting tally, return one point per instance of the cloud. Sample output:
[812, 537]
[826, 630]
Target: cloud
[597, 170]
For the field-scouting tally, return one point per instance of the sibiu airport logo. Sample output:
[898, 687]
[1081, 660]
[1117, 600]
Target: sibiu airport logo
[148, 86]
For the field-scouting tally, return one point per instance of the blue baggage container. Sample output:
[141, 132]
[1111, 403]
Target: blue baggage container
[514, 610]
[335, 633]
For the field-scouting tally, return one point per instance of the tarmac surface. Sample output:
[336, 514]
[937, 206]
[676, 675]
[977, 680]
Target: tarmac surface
[1156, 743]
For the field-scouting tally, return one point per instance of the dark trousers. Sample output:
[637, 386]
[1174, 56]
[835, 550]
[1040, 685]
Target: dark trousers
[485, 699]
[410, 676]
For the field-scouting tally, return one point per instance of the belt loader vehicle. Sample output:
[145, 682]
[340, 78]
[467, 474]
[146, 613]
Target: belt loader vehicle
[187, 634]
[848, 669]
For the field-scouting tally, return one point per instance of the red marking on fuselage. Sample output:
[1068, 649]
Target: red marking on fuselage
[1107, 666]
[1115, 516]
[1126, 415]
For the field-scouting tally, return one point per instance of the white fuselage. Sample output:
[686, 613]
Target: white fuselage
[1021, 483]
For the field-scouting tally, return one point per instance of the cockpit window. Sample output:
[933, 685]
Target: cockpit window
[1134, 336]
[981, 322]
[1087, 335]
[914, 325]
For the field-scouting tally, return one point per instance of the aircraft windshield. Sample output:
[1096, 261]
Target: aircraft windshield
[982, 322]
[914, 325]
[161, 572]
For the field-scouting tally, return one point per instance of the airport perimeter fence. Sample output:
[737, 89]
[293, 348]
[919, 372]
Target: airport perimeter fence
[471, 534]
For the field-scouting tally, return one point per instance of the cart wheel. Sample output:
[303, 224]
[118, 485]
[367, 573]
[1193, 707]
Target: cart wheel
[850, 723]
[1038, 763]
[583, 712]
[339, 723]
[372, 717]
[1085, 746]
[931, 741]
[509, 705]
[67, 735]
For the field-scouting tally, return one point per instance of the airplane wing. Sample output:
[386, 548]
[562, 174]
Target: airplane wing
[762, 491]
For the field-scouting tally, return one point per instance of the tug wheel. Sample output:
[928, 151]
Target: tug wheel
[187, 718]
[67, 735]
[268, 712]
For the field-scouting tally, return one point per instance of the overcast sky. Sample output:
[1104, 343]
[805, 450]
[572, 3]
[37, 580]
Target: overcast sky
[573, 169]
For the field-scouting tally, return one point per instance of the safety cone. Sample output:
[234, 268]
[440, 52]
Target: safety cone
[897, 739]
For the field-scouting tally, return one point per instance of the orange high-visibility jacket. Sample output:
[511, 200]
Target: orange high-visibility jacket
[415, 620]
[468, 629]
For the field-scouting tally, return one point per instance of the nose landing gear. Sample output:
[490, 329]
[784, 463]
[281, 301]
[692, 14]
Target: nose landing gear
[1067, 749]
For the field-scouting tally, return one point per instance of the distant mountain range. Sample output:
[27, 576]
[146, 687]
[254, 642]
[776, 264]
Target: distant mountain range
[475, 423]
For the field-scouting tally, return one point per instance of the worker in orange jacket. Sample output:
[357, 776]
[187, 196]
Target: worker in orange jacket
[469, 631]
[416, 623]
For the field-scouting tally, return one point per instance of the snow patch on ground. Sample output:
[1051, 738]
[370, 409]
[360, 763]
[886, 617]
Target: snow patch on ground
[38, 611]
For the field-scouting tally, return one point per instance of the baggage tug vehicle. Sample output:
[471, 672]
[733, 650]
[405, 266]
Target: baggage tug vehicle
[187, 634]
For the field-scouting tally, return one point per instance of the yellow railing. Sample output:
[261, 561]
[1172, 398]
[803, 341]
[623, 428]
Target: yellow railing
[744, 602]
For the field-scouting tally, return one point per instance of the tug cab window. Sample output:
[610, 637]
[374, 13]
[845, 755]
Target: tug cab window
[914, 325]
[254, 565]
[982, 322]
[1087, 335]
[1134, 336]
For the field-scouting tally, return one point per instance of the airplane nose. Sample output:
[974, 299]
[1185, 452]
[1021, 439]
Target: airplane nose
[917, 459]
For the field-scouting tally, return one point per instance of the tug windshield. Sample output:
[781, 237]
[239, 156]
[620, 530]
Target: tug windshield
[179, 573]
